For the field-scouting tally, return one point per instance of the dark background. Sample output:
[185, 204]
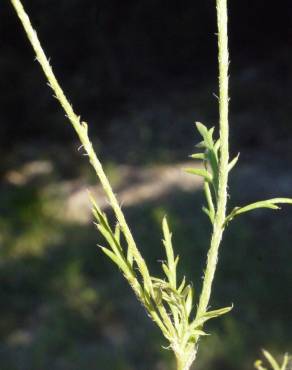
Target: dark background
[140, 72]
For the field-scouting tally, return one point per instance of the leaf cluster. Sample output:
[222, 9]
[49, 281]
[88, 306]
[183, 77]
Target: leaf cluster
[170, 304]
[272, 362]
[210, 173]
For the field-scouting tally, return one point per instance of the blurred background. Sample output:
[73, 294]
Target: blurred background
[141, 73]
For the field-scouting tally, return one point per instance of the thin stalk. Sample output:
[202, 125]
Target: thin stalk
[81, 130]
[218, 226]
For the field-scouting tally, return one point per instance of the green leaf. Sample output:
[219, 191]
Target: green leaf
[171, 268]
[158, 282]
[118, 233]
[271, 360]
[211, 209]
[209, 214]
[217, 146]
[166, 271]
[233, 162]
[285, 362]
[157, 296]
[199, 321]
[206, 134]
[198, 156]
[270, 203]
[110, 238]
[213, 161]
[202, 129]
[201, 145]
[258, 365]
[189, 301]
[200, 172]
[196, 334]
[112, 256]
[218, 312]
[182, 285]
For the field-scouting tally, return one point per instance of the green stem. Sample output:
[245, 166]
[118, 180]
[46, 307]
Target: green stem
[218, 227]
[185, 359]
[81, 130]
[180, 365]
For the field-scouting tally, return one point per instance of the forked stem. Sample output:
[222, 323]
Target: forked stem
[185, 355]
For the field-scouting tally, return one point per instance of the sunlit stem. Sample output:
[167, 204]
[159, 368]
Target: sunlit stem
[218, 226]
[81, 130]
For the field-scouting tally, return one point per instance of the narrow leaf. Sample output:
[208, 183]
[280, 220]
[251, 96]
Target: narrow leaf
[258, 365]
[285, 362]
[166, 271]
[110, 238]
[217, 146]
[209, 214]
[198, 156]
[112, 256]
[200, 172]
[169, 253]
[198, 332]
[182, 285]
[157, 296]
[201, 145]
[206, 134]
[189, 301]
[208, 195]
[270, 203]
[118, 233]
[202, 129]
[233, 162]
[198, 322]
[167, 242]
[218, 312]
[271, 360]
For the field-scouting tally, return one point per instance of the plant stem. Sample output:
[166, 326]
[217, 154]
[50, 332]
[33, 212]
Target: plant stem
[185, 357]
[218, 226]
[184, 362]
[81, 130]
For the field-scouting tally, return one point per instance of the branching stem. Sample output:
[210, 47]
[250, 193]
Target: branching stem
[185, 352]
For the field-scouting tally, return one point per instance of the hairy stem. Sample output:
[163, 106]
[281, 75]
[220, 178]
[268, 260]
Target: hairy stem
[218, 228]
[186, 359]
[81, 130]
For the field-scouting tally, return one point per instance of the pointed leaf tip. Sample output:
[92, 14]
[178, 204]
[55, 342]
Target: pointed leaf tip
[198, 156]
[271, 360]
[199, 172]
[269, 203]
[233, 162]
[201, 128]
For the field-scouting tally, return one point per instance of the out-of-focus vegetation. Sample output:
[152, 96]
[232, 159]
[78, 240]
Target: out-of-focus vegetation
[142, 68]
